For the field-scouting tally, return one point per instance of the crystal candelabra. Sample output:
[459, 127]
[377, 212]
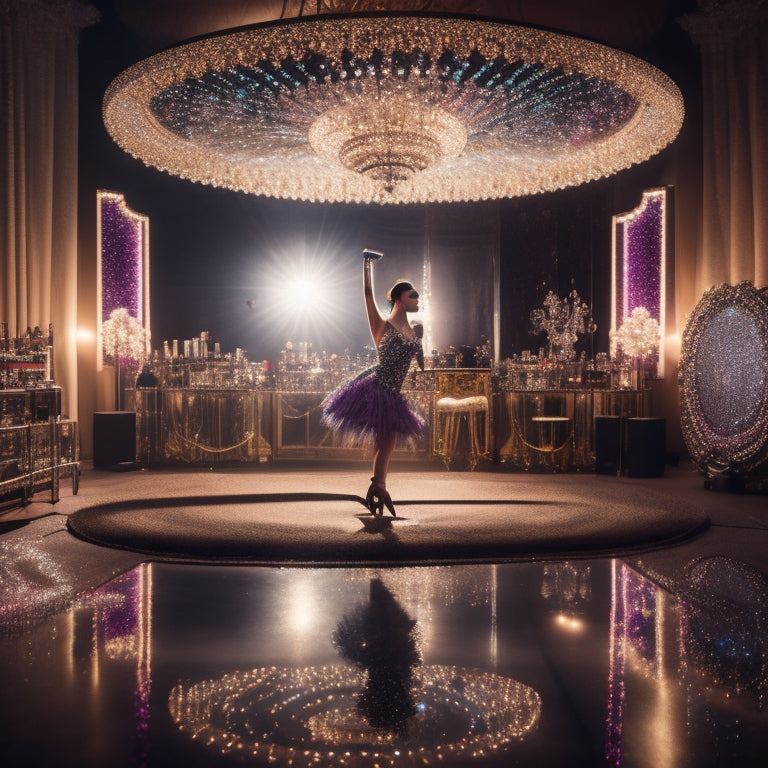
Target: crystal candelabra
[563, 320]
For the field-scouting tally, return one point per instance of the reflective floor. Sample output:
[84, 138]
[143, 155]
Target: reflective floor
[549, 664]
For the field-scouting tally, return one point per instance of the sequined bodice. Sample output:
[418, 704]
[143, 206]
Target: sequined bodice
[395, 355]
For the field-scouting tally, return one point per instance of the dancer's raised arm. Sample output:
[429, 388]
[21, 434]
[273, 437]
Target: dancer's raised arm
[371, 406]
[375, 320]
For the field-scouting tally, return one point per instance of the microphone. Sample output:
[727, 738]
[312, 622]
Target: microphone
[370, 255]
[418, 329]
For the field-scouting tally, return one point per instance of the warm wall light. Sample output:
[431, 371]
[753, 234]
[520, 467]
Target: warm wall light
[392, 108]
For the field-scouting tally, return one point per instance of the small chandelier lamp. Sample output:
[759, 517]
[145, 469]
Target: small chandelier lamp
[392, 108]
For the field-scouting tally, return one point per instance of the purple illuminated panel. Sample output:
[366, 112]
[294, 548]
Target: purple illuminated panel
[123, 240]
[642, 258]
[639, 261]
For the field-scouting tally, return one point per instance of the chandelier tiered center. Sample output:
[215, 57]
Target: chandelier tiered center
[392, 108]
[387, 139]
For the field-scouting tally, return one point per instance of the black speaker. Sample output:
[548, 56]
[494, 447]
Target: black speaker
[608, 445]
[646, 446]
[114, 438]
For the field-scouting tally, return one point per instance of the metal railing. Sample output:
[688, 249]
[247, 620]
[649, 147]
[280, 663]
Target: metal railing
[35, 457]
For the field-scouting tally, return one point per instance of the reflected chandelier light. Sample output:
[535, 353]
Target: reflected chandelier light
[392, 108]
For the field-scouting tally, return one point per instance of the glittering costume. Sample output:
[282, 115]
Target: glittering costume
[371, 405]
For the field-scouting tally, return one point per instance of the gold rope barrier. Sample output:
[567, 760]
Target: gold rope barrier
[569, 438]
[301, 415]
[561, 462]
[208, 449]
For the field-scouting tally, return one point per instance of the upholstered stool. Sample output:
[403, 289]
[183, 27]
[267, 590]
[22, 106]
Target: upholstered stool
[462, 397]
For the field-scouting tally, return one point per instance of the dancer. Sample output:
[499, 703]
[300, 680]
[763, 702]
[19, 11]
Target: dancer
[371, 406]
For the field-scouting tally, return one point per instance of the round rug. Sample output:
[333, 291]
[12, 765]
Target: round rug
[541, 521]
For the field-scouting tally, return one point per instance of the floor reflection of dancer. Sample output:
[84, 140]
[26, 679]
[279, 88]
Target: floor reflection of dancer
[381, 637]
[371, 405]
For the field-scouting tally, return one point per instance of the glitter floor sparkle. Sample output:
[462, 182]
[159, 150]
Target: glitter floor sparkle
[583, 662]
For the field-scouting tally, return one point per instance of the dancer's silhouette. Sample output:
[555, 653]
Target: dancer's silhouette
[380, 637]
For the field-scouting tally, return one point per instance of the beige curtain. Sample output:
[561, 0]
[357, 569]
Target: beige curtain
[733, 38]
[38, 173]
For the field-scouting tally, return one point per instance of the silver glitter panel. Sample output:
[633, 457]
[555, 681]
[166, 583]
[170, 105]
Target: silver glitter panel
[724, 379]
[727, 380]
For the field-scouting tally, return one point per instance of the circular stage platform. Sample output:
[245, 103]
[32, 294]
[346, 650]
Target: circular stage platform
[443, 517]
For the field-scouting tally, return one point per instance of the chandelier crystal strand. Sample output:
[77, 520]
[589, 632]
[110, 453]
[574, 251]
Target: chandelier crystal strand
[392, 108]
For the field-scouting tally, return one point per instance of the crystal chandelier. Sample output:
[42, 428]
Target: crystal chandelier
[563, 320]
[392, 108]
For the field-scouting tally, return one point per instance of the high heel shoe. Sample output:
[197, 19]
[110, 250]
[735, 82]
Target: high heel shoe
[377, 498]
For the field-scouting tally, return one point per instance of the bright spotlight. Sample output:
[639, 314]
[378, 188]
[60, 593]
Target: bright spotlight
[300, 296]
[315, 298]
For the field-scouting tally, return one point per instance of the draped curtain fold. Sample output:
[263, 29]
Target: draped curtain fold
[38, 173]
[732, 37]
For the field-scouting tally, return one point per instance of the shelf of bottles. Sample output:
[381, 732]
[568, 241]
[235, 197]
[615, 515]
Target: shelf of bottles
[26, 360]
[205, 406]
[545, 408]
[195, 405]
[37, 447]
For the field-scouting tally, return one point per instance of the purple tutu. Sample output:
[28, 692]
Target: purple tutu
[364, 408]
[371, 406]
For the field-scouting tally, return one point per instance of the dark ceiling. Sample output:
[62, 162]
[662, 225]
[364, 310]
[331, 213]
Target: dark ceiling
[628, 24]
